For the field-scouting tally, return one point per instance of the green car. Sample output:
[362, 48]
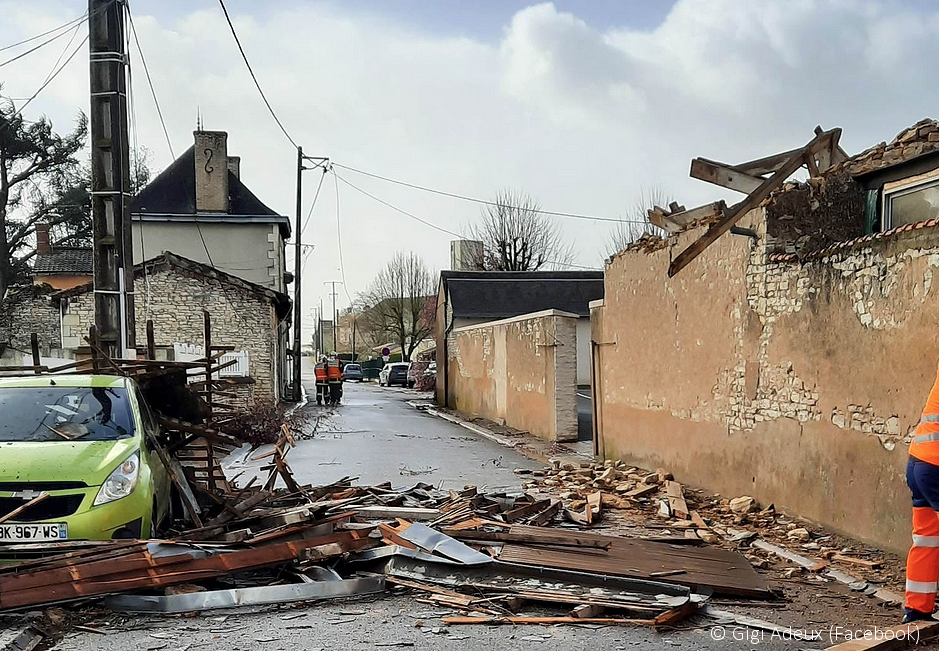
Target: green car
[83, 440]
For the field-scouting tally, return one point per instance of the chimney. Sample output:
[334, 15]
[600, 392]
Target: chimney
[211, 154]
[466, 255]
[42, 239]
[234, 166]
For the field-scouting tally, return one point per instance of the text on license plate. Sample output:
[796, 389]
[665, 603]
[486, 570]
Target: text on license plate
[36, 532]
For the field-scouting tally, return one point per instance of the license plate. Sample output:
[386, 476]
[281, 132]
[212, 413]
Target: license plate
[41, 532]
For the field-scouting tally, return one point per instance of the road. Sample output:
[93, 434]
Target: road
[378, 436]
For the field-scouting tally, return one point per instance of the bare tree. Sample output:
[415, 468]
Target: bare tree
[517, 237]
[636, 222]
[394, 304]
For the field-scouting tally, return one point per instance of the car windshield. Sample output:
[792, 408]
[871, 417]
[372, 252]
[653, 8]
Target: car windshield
[64, 414]
[352, 367]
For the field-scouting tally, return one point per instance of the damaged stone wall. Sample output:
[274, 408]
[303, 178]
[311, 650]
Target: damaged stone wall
[806, 217]
[175, 300]
[29, 309]
[796, 382]
[521, 372]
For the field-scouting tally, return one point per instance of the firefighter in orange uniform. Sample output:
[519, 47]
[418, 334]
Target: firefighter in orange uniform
[334, 375]
[922, 476]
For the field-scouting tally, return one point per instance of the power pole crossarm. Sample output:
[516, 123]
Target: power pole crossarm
[110, 179]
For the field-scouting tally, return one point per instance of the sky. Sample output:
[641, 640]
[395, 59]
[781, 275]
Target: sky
[586, 105]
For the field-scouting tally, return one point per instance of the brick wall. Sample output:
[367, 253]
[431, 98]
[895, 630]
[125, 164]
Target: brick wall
[520, 371]
[798, 382]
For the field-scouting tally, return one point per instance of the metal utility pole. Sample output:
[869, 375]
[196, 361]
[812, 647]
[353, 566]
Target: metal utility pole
[333, 284]
[298, 321]
[110, 180]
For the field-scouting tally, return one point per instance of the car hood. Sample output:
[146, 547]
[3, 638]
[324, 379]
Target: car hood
[90, 462]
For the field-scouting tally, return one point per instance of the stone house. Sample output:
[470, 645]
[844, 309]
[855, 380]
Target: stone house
[791, 359]
[173, 292]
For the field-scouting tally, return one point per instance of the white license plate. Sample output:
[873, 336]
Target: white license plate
[40, 532]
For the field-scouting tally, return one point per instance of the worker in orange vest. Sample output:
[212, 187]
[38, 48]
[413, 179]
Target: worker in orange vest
[334, 375]
[322, 384]
[922, 476]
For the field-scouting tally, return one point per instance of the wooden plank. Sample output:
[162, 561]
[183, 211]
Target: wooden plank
[151, 341]
[854, 560]
[15, 512]
[34, 346]
[752, 201]
[675, 221]
[767, 164]
[541, 519]
[548, 537]
[182, 485]
[724, 175]
[545, 621]
[676, 500]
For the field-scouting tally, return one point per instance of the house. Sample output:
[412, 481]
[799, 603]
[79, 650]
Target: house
[788, 354]
[60, 267]
[174, 293]
[199, 208]
[515, 346]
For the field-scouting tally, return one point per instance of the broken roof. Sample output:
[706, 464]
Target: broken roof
[71, 261]
[172, 195]
[913, 142]
[168, 260]
[503, 294]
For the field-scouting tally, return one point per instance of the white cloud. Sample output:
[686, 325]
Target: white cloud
[581, 117]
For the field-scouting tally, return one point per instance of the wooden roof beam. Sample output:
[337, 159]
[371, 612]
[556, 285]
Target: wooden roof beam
[754, 199]
[676, 221]
[724, 175]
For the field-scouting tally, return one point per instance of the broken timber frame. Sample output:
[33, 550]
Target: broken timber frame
[820, 153]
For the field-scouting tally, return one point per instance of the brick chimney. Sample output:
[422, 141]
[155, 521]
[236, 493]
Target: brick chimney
[211, 154]
[42, 239]
[234, 166]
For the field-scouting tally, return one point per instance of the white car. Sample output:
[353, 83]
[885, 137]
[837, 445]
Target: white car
[394, 373]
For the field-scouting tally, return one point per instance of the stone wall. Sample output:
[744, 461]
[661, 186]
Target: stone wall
[796, 382]
[175, 300]
[26, 310]
[520, 371]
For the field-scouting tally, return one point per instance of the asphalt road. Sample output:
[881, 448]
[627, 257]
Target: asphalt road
[377, 436]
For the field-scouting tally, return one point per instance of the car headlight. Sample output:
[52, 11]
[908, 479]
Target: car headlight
[121, 482]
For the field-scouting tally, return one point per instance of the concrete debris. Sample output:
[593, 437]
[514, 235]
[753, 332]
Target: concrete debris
[743, 504]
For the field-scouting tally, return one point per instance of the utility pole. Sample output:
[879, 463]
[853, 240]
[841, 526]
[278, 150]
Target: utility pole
[110, 180]
[333, 284]
[321, 326]
[297, 315]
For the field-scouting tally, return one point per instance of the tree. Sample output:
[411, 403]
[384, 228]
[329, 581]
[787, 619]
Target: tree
[517, 237]
[636, 222]
[36, 165]
[393, 306]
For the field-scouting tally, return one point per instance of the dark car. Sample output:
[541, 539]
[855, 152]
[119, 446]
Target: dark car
[394, 373]
[352, 372]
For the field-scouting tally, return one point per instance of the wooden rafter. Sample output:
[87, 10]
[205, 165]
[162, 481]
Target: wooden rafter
[798, 157]
[724, 175]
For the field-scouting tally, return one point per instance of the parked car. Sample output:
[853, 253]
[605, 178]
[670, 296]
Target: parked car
[394, 373]
[86, 441]
[352, 372]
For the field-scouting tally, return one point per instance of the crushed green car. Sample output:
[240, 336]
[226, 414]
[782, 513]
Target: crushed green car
[86, 441]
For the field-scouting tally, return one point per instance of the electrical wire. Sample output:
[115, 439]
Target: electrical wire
[64, 50]
[315, 196]
[48, 81]
[342, 268]
[146, 70]
[253, 76]
[434, 226]
[33, 49]
[64, 26]
[485, 202]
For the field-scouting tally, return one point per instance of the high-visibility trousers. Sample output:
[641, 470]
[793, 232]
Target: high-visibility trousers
[922, 565]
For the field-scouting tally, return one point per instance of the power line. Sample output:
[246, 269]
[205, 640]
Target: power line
[33, 49]
[48, 80]
[315, 195]
[434, 226]
[342, 269]
[253, 76]
[46, 33]
[485, 202]
[153, 94]
[395, 208]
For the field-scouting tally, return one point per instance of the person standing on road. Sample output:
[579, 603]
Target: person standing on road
[334, 374]
[922, 476]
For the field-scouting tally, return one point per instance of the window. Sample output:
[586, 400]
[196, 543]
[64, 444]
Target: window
[64, 414]
[911, 200]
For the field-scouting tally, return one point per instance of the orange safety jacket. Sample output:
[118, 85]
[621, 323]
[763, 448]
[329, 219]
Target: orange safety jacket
[320, 372]
[333, 372]
[925, 443]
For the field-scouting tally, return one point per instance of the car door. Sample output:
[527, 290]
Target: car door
[162, 485]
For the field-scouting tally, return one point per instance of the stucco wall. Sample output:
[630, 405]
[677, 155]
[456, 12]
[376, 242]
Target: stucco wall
[521, 371]
[798, 383]
[253, 251]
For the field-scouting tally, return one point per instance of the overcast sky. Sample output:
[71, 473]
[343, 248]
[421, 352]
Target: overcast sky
[584, 105]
